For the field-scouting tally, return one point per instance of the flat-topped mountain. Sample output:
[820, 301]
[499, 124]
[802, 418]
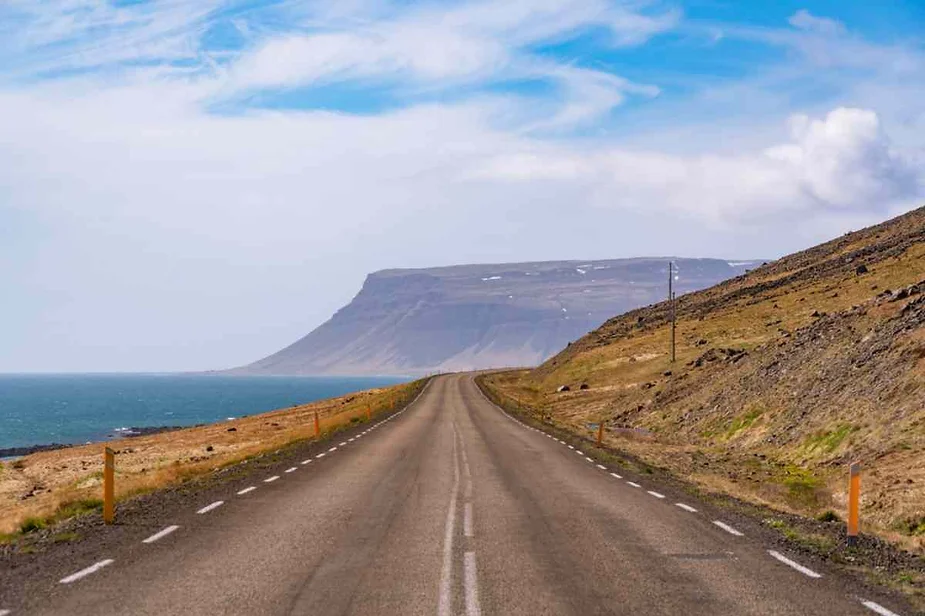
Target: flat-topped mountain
[412, 321]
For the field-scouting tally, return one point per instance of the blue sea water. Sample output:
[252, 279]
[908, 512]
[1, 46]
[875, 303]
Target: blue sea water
[72, 408]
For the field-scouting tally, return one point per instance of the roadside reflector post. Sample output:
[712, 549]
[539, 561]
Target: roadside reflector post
[854, 502]
[600, 433]
[317, 425]
[109, 492]
[369, 413]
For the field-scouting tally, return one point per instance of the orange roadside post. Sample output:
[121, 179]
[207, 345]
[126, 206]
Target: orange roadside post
[109, 492]
[317, 426]
[854, 502]
[600, 433]
[369, 412]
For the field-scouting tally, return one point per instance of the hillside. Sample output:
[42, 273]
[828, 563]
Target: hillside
[783, 376]
[469, 317]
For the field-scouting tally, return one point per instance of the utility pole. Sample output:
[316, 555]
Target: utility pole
[671, 305]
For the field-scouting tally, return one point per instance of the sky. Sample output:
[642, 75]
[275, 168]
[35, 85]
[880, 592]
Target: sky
[194, 185]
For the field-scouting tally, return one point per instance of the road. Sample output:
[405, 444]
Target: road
[450, 507]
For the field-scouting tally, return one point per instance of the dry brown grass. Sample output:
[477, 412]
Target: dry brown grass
[778, 426]
[42, 484]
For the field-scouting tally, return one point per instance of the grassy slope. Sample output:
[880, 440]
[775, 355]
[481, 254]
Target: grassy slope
[49, 486]
[833, 370]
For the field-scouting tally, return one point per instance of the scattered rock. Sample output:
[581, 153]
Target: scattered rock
[231, 430]
[860, 269]
[701, 342]
[563, 388]
[583, 386]
[666, 373]
[210, 448]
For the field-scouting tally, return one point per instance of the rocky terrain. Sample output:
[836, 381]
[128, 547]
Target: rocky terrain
[481, 316]
[783, 376]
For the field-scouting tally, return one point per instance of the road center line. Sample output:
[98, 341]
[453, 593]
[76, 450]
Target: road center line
[85, 572]
[445, 604]
[795, 565]
[686, 507]
[728, 528]
[472, 585]
[656, 494]
[874, 607]
[161, 534]
[467, 520]
[209, 508]
[271, 479]
[246, 490]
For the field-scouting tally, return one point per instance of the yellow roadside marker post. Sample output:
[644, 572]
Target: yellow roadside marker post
[600, 433]
[317, 425]
[854, 502]
[109, 492]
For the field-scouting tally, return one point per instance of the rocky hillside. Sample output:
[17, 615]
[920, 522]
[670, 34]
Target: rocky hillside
[783, 376]
[481, 316]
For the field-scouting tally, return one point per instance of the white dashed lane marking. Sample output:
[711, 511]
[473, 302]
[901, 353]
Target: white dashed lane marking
[616, 475]
[728, 528]
[472, 586]
[246, 490]
[656, 494]
[601, 466]
[306, 461]
[589, 459]
[85, 572]
[874, 607]
[289, 470]
[686, 507]
[332, 449]
[795, 565]
[635, 485]
[320, 455]
[271, 479]
[467, 520]
[161, 534]
[209, 508]
[5, 612]
[342, 444]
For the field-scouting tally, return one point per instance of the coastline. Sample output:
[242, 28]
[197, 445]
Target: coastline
[132, 432]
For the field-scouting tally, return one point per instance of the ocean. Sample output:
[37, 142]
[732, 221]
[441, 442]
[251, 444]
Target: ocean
[77, 408]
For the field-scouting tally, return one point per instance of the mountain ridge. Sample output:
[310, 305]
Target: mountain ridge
[411, 321]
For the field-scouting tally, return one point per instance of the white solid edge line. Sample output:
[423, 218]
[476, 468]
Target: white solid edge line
[686, 507]
[601, 466]
[467, 520]
[271, 479]
[445, 600]
[795, 565]
[472, 585]
[616, 475]
[210, 507]
[874, 607]
[728, 528]
[246, 490]
[635, 485]
[289, 470]
[85, 572]
[161, 534]
[656, 494]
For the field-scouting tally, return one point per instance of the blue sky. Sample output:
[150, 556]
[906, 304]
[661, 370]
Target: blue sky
[193, 185]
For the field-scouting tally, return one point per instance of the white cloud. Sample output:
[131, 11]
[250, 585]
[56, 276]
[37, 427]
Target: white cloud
[804, 20]
[845, 160]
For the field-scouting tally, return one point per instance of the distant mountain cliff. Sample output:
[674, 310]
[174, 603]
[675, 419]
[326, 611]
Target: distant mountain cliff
[482, 316]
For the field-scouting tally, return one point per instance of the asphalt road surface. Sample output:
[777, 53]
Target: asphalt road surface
[449, 507]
